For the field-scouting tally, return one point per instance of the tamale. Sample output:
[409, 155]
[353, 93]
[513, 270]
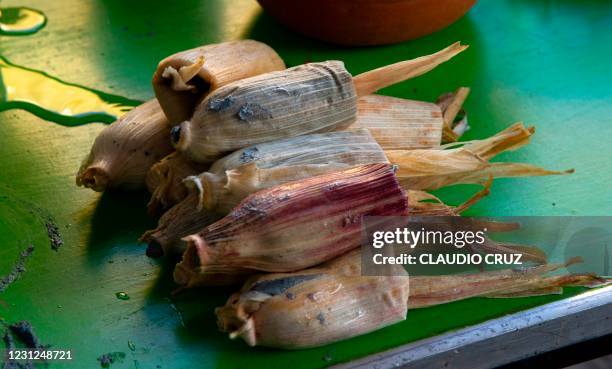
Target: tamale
[312, 308]
[332, 302]
[182, 80]
[262, 166]
[125, 150]
[183, 219]
[246, 171]
[403, 124]
[310, 98]
[294, 225]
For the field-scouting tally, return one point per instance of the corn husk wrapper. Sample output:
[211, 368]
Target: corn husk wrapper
[371, 81]
[125, 150]
[422, 203]
[313, 307]
[530, 281]
[323, 148]
[165, 181]
[432, 169]
[182, 80]
[183, 219]
[451, 105]
[179, 221]
[400, 124]
[403, 124]
[333, 302]
[262, 166]
[294, 225]
[310, 98]
[427, 205]
[269, 164]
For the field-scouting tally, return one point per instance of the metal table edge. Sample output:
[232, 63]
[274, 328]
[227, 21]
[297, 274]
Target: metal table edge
[506, 339]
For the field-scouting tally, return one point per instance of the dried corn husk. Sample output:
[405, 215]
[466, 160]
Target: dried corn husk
[451, 105]
[369, 82]
[295, 225]
[400, 124]
[262, 166]
[424, 204]
[310, 98]
[125, 150]
[277, 162]
[181, 220]
[333, 302]
[165, 180]
[434, 290]
[182, 80]
[431, 169]
[421, 203]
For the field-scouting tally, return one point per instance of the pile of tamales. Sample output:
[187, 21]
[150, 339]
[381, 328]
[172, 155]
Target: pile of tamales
[262, 174]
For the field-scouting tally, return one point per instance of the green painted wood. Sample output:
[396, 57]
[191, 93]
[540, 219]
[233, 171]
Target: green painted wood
[544, 62]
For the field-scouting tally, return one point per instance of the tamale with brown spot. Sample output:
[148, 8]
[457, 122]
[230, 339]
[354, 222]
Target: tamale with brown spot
[182, 80]
[309, 98]
[333, 302]
[125, 150]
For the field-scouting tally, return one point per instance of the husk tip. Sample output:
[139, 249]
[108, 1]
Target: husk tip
[196, 254]
[457, 47]
[94, 177]
[181, 136]
[181, 275]
[194, 183]
[462, 47]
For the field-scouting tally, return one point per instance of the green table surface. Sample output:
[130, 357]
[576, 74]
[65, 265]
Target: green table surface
[543, 62]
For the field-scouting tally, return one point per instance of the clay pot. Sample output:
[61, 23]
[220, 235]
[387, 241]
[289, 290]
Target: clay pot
[366, 22]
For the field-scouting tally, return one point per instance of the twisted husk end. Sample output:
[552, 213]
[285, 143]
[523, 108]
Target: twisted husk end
[235, 319]
[207, 187]
[95, 177]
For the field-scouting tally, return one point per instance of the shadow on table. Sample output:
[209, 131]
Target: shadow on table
[117, 221]
[194, 321]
